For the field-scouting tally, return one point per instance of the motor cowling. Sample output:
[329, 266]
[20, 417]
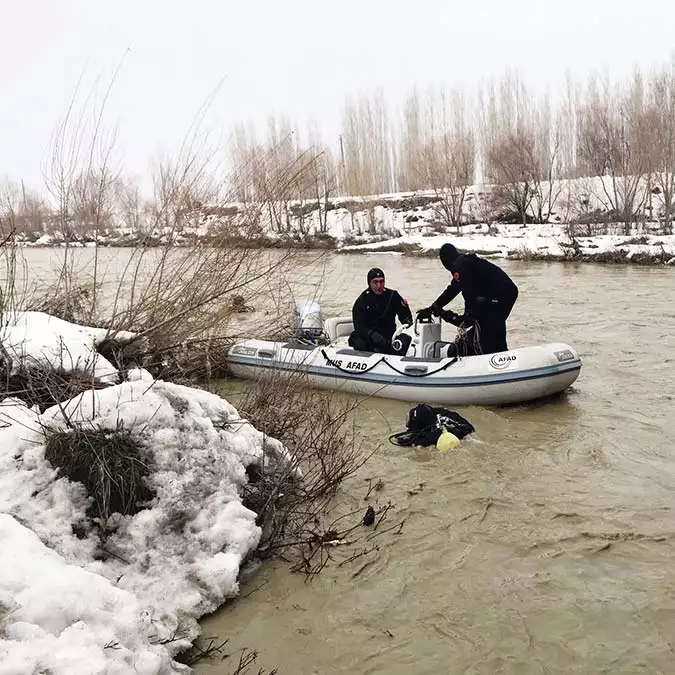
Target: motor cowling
[308, 320]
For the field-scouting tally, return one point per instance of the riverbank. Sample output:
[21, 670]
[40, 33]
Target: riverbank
[534, 242]
[597, 243]
[129, 504]
[111, 574]
[518, 242]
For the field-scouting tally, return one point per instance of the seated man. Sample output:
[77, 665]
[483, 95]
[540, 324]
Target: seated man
[374, 314]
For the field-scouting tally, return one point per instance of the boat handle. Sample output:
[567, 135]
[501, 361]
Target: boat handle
[265, 354]
[415, 370]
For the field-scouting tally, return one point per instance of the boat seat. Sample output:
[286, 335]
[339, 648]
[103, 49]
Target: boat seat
[338, 326]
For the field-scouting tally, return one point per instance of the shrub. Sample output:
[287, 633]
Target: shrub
[318, 429]
[108, 462]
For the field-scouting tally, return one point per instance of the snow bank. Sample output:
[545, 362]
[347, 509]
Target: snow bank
[521, 242]
[68, 607]
[36, 339]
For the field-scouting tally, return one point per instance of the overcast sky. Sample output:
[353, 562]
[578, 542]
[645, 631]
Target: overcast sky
[298, 57]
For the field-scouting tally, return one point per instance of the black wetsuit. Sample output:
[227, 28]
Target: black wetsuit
[374, 319]
[489, 295]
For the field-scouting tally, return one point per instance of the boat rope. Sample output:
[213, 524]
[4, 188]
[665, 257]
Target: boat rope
[335, 364]
[467, 342]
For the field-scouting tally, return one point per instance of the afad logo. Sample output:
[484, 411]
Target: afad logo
[501, 361]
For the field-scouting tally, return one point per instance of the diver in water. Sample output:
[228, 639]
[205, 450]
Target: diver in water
[374, 314]
[489, 295]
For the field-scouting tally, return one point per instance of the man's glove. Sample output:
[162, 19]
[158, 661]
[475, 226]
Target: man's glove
[379, 341]
[451, 317]
[424, 314]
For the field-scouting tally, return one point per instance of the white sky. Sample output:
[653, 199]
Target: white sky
[297, 57]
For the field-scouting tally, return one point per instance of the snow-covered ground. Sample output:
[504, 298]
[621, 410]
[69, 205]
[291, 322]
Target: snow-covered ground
[38, 339]
[534, 241]
[582, 210]
[65, 609]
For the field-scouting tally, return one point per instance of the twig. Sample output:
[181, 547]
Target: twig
[485, 510]
[377, 487]
[358, 555]
[389, 529]
[383, 515]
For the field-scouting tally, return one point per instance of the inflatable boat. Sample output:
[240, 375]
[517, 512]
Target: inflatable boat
[422, 374]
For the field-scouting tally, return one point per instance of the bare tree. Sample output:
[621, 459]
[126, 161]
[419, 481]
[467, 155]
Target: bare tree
[366, 146]
[93, 199]
[322, 179]
[546, 160]
[274, 177]
[521, 145]
[612, 127]
[447, 161]
[25, 209]
[662, 119]
[412, 141]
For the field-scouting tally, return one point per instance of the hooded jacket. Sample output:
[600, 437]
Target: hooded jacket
[486, 288]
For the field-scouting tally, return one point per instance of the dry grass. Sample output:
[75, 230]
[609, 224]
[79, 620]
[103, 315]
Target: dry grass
[72, 306]
[110, 464]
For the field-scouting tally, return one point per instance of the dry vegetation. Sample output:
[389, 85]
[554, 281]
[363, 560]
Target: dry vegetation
[319, 429]
[111, 465]
[178, 301]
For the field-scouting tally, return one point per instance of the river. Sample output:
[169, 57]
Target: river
[542, 545]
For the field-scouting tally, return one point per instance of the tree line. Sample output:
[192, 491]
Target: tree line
[526, 146]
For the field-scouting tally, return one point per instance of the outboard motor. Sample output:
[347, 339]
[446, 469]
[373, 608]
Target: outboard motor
[308, 321]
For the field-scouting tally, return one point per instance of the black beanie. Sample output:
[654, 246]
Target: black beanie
[375, 273]
[448, 255]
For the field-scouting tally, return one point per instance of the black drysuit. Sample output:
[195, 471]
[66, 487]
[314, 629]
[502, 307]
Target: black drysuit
[374, 320]
[489, 295]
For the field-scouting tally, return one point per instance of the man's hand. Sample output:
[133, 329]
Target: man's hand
[424, 314]
[452, 317]
[380, 342]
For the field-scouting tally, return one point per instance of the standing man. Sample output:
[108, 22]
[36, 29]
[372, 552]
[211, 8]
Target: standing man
[374, 314]
[489, 295]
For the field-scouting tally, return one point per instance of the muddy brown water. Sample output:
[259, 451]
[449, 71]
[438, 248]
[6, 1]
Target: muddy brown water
[543, 545]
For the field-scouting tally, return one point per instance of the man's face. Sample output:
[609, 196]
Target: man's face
[377, 286]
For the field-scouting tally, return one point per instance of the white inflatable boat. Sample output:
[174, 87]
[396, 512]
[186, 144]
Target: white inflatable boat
[422, 375]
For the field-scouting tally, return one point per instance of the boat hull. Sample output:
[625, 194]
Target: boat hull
[515, 376]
